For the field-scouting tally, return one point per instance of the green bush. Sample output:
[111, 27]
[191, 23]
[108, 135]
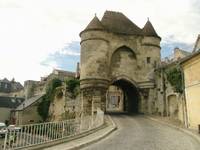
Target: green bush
[72, 85]
[59, 92]
[43, 107]
[174, 76]
[50, 89]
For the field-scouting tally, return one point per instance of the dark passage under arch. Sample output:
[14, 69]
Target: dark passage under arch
[131, 95]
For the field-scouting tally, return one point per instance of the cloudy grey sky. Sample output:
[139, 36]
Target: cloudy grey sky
[39, 35]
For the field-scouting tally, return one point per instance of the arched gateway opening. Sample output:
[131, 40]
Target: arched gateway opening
[122, 96]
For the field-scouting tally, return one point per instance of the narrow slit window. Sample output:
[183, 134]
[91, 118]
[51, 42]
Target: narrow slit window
[148, 60]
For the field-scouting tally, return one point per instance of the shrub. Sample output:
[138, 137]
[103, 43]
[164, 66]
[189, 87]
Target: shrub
[174, 76]
[59, 92]
[72, 84]
[43, 107]
[50, 89]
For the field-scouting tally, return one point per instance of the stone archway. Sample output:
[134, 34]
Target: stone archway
[119, 52]
[130, 99]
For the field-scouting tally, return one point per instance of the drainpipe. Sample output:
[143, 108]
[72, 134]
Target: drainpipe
[185, 113]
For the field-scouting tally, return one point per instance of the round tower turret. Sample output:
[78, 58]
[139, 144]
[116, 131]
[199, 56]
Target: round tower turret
[94, 54]
[151, 44]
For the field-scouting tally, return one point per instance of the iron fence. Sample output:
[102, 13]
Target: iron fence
[34, 134]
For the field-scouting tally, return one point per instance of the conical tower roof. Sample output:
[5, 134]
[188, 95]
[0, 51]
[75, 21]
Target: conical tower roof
[149, 30]
[95, 24]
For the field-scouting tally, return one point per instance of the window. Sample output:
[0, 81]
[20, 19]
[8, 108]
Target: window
[6, 85]
[148, 60]
[13, 100]
[113, 100]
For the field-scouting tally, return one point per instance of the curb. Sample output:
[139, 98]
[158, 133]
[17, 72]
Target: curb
[195, 136]
[114, 127]
[108, 127]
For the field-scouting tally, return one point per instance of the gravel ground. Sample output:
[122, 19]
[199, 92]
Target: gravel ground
[139, 133]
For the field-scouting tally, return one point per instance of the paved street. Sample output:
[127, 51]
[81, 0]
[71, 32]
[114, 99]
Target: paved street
[139, 133]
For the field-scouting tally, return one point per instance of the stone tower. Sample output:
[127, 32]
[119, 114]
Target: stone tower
[115, 51]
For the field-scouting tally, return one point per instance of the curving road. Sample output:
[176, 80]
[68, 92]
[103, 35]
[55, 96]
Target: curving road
[139, 133]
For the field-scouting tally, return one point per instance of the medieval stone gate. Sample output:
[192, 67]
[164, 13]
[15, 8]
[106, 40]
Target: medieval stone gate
[114, 51]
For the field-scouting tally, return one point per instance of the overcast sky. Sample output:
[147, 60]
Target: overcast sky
[39, 35]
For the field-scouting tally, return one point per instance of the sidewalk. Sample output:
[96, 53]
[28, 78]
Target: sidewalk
[91, 138]
[176, 125]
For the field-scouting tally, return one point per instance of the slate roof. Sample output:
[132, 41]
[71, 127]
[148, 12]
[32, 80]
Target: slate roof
[29, 102]
[118, 23]
[149, 30]
[5, 80]
[18, 85]
[13, 86]
[10, 102]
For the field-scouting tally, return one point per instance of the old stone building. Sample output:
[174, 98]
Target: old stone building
[11, 88]
[34, 91]
[181, 105]
[26, 112]
[34, 88]
[7, 104]
[115, 51]
[169, 102]
[179, 54]
[11, 96]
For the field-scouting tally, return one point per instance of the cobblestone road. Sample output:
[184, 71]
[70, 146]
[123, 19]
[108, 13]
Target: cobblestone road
[139, 133]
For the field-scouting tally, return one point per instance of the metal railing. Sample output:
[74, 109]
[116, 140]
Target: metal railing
[34, 134]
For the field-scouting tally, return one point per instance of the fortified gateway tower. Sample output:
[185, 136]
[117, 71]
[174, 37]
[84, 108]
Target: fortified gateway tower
[115, 51]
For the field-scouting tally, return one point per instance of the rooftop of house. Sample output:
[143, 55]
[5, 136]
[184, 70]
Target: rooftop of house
[10, 102]
[12, 85]
[197, 44]
[29, 102]
[184, 52]
[194, 54]
[179, 61]
[5, 80]
[117, 22]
